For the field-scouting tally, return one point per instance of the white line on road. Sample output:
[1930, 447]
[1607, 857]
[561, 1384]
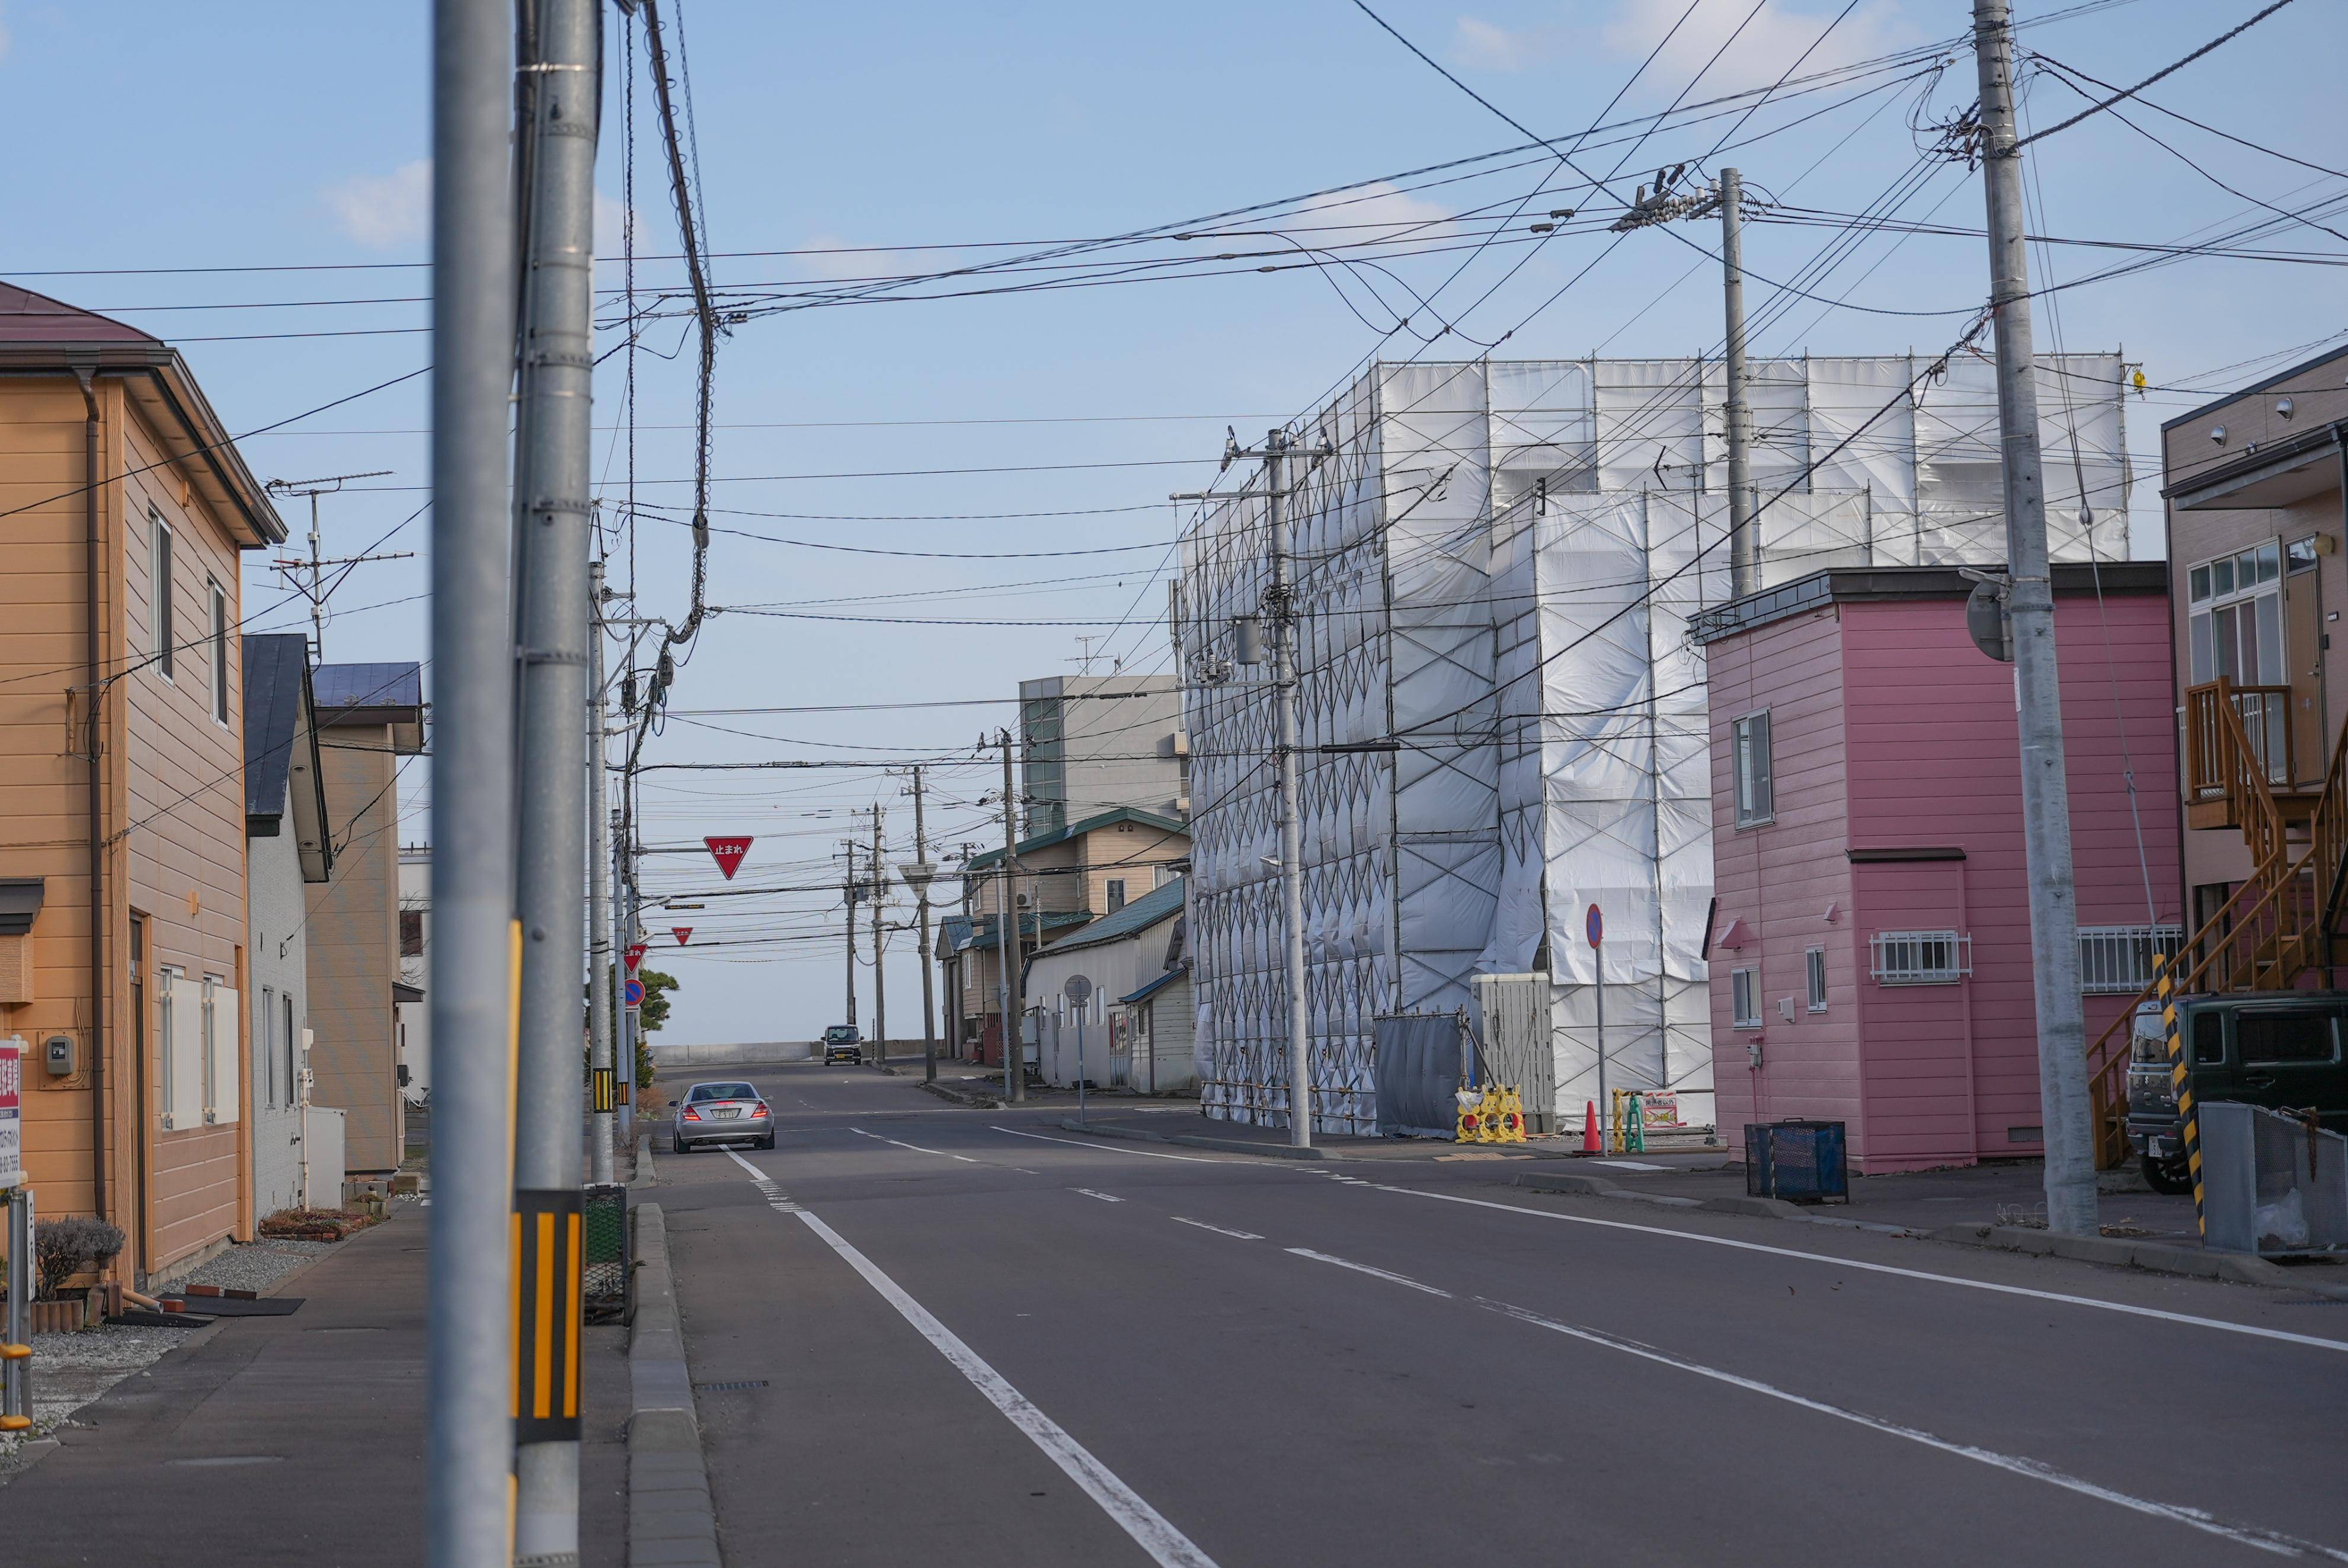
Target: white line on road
[1167, 1546]
[1235, 1235]
[915, 1147]
[776, 1199]
[2033, 1470]
[1629, 1165]
[1112, 1148]
[1925, 1275]
[1104, 1197]
[1365, 1268]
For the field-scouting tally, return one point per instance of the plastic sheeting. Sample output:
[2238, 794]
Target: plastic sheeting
[1497, 566]
[1418, 1075]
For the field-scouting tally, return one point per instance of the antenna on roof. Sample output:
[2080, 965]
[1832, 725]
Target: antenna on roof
[318, 591]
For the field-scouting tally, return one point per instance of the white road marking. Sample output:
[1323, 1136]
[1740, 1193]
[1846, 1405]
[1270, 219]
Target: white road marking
[1104, 1197]
[1167, 1546]
[1629, 1165]
[1112, 1148]
[2219, 1324]
[2033, 1470]
[1235, 1235]
[1365, 1268]
[776, 1199]
[915, 1147]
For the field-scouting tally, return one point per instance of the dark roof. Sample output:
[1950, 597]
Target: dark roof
[1156, 985]
[401, 991]
[953, 934]
[1848, 584]
[2203, 411]
[390, 693]
[1090, 824]
[30, 318]
[984, 932]
[1157, 905]
[275, 665]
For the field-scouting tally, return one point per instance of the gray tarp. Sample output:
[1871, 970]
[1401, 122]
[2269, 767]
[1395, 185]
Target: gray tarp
[1417, 1074]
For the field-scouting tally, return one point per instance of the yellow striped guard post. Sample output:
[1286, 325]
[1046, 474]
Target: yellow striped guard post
[606, 1087]
[548, 1255]
[2189, 1120]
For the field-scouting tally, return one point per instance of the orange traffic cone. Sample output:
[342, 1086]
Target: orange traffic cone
[1590, 1144]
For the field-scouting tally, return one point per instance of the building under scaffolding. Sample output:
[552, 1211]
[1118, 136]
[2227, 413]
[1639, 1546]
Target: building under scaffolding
[1495, 569]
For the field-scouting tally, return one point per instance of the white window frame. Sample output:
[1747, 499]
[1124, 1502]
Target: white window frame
[1744, 998]
[1920, 957]
[1113, 889]
[1814, 971]
[160, 553]
[2117, 960]
[2262, 564]
[1754, 791]
[216, 607]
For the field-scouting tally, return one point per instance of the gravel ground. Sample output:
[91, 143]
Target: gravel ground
[257, 1265]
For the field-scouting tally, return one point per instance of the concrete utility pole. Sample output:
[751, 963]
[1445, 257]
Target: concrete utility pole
[2063, 1108]
[603, 958]
[468, 1439]
[918, 876]
[849, 895]
[1014, 1076]
[552, 488]
[879, 991]
[1743, 500]
[630, 932]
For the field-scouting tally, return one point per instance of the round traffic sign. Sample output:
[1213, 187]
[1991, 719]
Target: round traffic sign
[1078, 989]
[634, 993]
[1596, 926]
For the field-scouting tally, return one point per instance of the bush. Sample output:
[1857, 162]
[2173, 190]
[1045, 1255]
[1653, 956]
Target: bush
[63, 1248]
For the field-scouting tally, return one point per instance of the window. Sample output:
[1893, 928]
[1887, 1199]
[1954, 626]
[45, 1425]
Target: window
[177, 1051]
[2298, 555]
[2236, 620]
[2208, 1038]
[267, 1021]
[158, 589]
[1922, 957]
[1113, 894]
[411, 934]
[1814, 963]
[218, 631]
[1162, 874]
[2295, 1039]
[292, 1075]
[1744, 998]
[2117, 960]
[1757, 800]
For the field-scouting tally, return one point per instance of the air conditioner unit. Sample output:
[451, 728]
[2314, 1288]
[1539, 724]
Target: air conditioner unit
[1181, 805]
[1023, 901]
[1178, 743]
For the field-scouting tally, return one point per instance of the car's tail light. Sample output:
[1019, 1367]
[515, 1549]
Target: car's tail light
[691, 1114]
[759, 1109]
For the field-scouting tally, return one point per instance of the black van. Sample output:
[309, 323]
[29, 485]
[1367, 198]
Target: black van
[2277, 1049]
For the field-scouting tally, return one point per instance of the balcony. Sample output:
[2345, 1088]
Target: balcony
[2225, 764]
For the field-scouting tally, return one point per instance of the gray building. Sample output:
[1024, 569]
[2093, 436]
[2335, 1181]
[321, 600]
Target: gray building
[288, 849]
[1094, 743]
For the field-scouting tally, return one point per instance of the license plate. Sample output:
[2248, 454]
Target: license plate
[725, 1113]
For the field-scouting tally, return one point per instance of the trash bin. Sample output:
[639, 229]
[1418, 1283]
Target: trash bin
[1800, 1161]
[2273, 1184]
[604, 1285]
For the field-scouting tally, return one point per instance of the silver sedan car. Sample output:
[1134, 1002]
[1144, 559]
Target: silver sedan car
[721, 1113]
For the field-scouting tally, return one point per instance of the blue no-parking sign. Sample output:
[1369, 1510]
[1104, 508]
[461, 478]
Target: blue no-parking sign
[1596, 926]
[634, 993]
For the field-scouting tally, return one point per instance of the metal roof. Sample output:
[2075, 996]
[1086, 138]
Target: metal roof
[1156, 905]
[1090, 824]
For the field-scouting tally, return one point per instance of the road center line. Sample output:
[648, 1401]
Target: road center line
[1167, 1546]
[915, 1147]
[1365, 1268]
[2187, 1318]
[1113, 1148]
[2248, 1535]
[1235, 1235]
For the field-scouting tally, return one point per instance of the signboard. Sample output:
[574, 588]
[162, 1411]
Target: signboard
[1596, 926]
[12, 1085]
[1659, 1107]
[1078, 990]
[727, 852]
[633, 993]
[681, 933]
[636, 955]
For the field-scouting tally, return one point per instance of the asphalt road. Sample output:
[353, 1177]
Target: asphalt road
[975, 1338]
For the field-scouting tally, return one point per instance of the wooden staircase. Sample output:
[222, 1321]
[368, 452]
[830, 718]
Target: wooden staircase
[2288, 921]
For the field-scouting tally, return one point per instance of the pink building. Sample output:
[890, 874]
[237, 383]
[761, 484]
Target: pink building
[1871, 944]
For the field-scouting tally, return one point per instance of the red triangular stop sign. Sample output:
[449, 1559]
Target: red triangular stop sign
[634, 955]
[727, 853]
[680, 933]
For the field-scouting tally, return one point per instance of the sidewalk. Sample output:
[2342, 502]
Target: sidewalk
[294, 1440]
[1120, 1116]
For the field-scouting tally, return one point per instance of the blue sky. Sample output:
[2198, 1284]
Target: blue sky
[153, 135]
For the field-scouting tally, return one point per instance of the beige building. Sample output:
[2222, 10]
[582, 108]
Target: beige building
[370, 720]
[125, 508]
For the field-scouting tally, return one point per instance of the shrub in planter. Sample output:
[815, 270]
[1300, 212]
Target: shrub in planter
[63, 1248]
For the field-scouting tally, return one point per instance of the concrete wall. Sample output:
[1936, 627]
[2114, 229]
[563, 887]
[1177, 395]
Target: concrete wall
[684, 1058]
[280, 1011]
[1097, 753]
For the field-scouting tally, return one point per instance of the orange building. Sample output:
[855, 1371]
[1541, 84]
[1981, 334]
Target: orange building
[124, 507]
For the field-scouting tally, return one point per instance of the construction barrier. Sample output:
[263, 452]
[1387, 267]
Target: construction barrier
[1630, 1122]
[1512, 1115]
[1471, 1117]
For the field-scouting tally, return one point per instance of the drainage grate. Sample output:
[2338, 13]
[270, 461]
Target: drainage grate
[743, 1386]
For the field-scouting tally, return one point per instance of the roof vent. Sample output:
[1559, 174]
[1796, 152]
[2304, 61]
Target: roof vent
[2284, 409]
[2218, 434]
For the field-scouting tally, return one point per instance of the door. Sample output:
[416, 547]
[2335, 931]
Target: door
[2303, 666]
[140, 1080]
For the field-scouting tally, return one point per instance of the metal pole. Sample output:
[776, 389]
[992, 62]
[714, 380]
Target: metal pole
[1013, 1053]
[317, 589]
[922, 906]
[2063, 1108]
[624, 937]
[848, 896]
[879, 992]
[553, 466]
[469, 1443]
[1744, 526]
[1080, 1059]
[603, 958]
[1279, 610]
[17, 1374]
[1605, 1106]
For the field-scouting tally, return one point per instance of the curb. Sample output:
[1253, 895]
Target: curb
[1757, 1208]
[1194, 1140]
[882, 1068]
[672, 1519]
[645, 1175]
[2154, 1257]
[964, 1098]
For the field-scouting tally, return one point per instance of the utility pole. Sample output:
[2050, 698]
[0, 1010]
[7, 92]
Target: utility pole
[628, 934]
[849, 895]
[1015, 1075]
[469, 1442]
[879, 991]
[551, 496]
[918, 876]
[603, 958]
[1744, 525]
[294, 570]
[2064, 1111]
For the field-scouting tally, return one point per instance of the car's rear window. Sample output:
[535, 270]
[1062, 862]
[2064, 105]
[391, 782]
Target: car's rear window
[723, 1091]
[2269, 1039]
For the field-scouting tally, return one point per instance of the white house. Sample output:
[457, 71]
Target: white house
[1134, 1023]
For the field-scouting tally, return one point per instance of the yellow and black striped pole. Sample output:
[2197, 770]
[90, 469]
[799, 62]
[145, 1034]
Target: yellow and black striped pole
[2189, 1119]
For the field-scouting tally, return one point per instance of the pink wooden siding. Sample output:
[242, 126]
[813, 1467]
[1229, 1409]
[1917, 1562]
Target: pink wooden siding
[1891, 731]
